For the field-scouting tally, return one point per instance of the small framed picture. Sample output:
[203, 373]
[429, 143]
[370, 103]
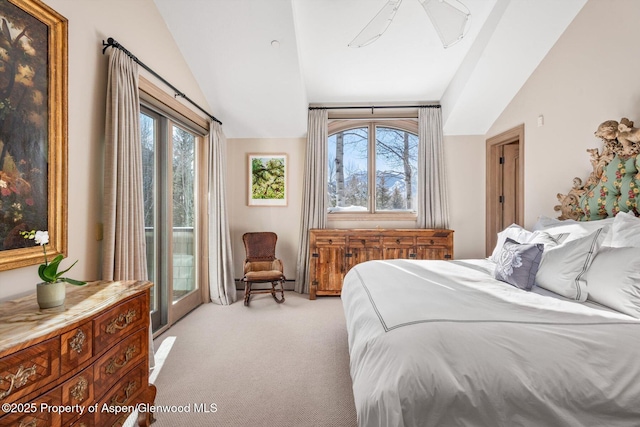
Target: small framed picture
[267, 179]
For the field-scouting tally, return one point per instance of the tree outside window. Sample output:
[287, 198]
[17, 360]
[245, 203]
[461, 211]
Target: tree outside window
[385, 181]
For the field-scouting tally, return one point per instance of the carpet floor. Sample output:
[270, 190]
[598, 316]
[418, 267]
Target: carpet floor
[266, 365]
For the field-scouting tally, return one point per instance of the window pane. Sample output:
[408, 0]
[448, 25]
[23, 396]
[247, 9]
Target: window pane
[184, 209]
[396, 169]
[348, 185]
[148, 136]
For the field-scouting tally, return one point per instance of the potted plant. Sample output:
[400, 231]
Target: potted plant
[51, 292]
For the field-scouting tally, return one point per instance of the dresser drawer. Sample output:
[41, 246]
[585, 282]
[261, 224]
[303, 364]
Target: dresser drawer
[124, 393]
[29, 369]
[87, 420]
[433, 241]
[78, 390]
[364, 242]
[331, 240]
[117, 361]
[397, 241]
[119, 322]
[28, 414]
[76, 347]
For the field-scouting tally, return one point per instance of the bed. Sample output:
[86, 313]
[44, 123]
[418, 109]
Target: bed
[544, 332]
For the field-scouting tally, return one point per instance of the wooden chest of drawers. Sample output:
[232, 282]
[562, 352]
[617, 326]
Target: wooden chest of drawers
[334, 251]
[72, 365]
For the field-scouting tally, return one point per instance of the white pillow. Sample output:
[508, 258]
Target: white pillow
[573, 229]
[614, 279]
[514, 232]
[625, 231]
[546, 239]
[562, 268]
[545, 222]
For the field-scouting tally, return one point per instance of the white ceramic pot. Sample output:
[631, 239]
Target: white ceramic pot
[50, 295]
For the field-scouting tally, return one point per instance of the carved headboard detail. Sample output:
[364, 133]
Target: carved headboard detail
[614, 183]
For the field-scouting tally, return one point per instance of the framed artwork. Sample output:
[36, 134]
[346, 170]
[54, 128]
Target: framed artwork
[33, 130]
[267, 179]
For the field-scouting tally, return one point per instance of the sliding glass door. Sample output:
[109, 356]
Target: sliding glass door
[170, 176]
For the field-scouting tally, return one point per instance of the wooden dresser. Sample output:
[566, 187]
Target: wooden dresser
[334, 251]
[82, 364]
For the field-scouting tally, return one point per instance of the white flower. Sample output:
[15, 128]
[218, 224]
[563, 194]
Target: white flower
[3, 184]
[42, 237]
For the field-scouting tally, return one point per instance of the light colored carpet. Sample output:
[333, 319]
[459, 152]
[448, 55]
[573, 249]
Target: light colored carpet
[266, 365]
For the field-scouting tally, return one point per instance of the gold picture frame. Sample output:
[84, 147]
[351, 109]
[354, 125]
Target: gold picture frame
[36, 137]
[267, 179]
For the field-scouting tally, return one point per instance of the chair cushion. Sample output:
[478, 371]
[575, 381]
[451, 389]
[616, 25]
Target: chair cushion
[263, 276]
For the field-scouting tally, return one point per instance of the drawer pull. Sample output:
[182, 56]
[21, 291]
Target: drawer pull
[79, 391]
[77, 342]
[114, 364]
[413, 255]
[32, 423]
[18, 379]
[330, 242]
[398, 241]
[121, 322]
[128, 391]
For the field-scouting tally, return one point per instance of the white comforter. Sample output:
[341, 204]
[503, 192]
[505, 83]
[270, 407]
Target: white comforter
[441, 343]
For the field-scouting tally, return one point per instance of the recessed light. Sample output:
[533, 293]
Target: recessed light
[275, 44]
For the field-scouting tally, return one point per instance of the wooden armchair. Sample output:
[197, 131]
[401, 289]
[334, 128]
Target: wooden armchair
[261, 265]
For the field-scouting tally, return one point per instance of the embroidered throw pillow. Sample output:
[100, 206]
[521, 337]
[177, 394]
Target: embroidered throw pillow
[518, 263]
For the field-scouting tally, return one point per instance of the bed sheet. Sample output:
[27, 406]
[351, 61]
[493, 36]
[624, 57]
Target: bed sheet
[442, 343]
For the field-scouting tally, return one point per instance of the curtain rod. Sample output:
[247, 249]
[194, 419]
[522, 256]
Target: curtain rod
[112, 43]
[372, 107]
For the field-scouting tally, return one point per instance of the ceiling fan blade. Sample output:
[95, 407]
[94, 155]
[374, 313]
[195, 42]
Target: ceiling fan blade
[450, 18]
[378, 25]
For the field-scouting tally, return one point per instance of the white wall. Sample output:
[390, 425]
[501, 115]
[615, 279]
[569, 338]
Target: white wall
[589, 76]
[464, 161]
[137, 25]
[285, 220]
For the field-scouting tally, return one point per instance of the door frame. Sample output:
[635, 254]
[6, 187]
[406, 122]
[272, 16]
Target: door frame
[494, 182]
[172, 112]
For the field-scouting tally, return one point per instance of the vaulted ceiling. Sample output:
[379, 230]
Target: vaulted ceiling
[260, 63]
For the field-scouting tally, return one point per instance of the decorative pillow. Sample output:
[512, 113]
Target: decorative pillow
[625, 231]
[514, 232]
[562, 268]
[518, 263]
[614, 279]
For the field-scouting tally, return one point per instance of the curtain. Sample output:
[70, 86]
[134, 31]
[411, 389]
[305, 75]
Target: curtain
[433, 209]
[124, 242]
[222, 287]
[314, 196]
[124, 247]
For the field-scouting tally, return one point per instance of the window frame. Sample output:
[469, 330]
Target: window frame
[338, 125]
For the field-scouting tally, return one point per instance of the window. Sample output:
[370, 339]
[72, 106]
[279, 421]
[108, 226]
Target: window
[373, 167]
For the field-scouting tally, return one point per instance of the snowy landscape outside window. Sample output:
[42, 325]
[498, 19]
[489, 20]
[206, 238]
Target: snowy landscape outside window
[372, 168]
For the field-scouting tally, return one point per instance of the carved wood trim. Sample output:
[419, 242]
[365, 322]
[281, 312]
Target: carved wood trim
[620, 139]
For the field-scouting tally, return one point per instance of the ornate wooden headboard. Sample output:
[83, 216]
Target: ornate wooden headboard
[614, 183]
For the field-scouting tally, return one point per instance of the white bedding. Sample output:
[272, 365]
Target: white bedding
[441, 343]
